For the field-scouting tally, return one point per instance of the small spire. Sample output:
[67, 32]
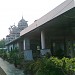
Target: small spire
[22, 17]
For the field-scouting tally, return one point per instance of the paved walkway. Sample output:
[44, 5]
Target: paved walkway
[2, 72]
[9, 69]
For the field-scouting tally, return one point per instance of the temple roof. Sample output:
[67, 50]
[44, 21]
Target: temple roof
[22, 21]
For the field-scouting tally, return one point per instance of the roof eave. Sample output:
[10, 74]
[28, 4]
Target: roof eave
[62, 8]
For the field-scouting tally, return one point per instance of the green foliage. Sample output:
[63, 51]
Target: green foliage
[68, 65]
[52, 66]
[49, 67]
[2, 43]
[3, 54]
[15, 57]
[27, 68]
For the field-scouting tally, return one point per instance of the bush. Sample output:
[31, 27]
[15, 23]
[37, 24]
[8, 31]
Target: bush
[52, 66]
[15, 57]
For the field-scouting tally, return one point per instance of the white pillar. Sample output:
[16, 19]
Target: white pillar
[42, 40]
[26, 44]
[27, 52]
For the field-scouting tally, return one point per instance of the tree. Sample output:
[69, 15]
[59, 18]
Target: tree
[2, 43]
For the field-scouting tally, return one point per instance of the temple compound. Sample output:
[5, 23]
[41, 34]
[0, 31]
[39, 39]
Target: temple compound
[52, 32]
[15, 32]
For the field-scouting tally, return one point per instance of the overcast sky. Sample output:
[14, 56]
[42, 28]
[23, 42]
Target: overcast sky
[11, 11]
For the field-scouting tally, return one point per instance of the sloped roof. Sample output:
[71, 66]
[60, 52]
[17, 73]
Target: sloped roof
[62, 8]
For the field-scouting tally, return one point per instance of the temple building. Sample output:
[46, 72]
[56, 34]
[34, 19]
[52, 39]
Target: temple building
[52, 33]
[15, 30]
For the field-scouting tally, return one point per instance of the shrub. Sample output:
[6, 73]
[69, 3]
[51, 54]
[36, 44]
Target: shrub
[52, 66]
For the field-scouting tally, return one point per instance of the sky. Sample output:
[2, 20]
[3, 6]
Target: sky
[11, 12]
